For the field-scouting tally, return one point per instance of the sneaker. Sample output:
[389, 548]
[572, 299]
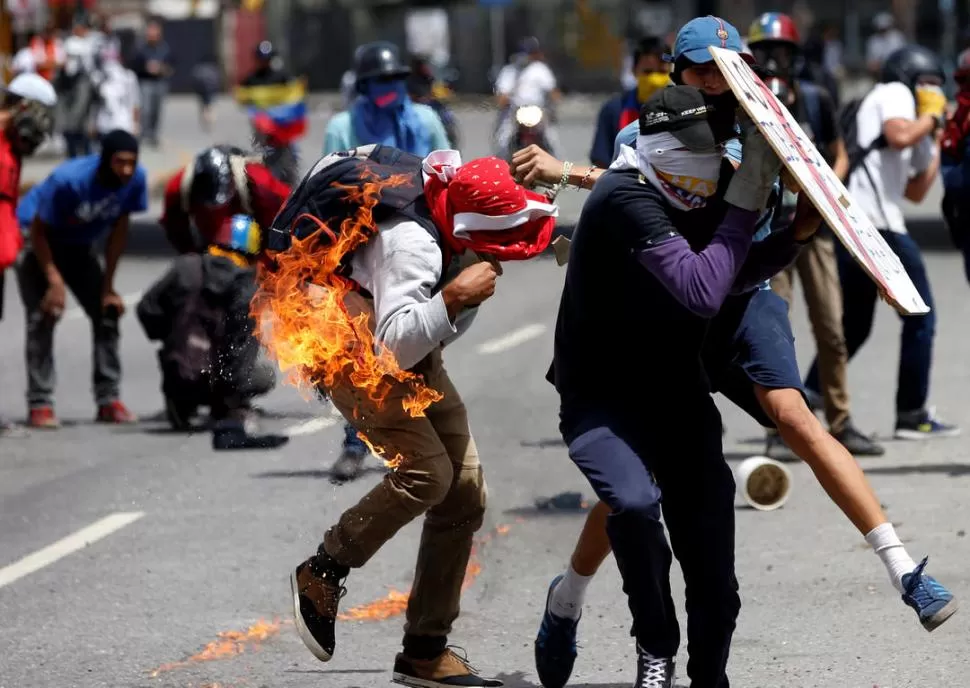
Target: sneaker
[555, 646]
[933, 603]
[115, 412]
[347, 467]
[856, 443]
[233, 435]
[447, 669]
[654, 672]
[922, 425]
[316, 595]
[43, 418]
[775, 447]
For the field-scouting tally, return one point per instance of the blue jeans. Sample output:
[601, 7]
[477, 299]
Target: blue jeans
[859, 298]
[353, 444]
[630, 464]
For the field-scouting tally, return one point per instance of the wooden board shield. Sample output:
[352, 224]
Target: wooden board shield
[816, 178]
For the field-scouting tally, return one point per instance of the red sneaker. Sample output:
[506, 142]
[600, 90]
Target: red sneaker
[115, 412]
[43, 418]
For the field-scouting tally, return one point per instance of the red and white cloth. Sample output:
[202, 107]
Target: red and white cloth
[479, 206]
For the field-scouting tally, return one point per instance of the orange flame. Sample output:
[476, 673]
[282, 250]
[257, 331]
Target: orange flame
[396, 602]
[310, 332]
[229, 644]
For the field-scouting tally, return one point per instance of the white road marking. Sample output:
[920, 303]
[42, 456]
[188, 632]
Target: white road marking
[512, 339]
[310, 427]
[130, 300]
[72, 543]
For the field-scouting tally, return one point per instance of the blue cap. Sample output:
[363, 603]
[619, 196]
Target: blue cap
[697, 35]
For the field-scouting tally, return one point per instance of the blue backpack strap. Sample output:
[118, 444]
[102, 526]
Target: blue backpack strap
[812, 98]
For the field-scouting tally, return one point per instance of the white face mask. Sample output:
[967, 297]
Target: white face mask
[686, 178]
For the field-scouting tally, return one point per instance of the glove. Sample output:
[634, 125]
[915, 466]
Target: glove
[930, 100]
[752, 182]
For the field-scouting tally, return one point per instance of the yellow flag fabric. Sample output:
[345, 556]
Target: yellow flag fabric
[265, 97]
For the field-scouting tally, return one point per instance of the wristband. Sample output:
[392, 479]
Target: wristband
[589, 172]
[567, 167]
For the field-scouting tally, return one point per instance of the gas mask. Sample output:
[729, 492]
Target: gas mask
[30, 124]
[649, 83]
[778, 59]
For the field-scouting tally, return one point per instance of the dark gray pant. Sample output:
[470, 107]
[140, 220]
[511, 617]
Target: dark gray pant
[153, 92]
[83, 275]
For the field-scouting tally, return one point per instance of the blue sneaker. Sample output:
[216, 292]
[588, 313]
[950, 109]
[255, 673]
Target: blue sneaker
[922, 425]
[933, 603]
[555, 645]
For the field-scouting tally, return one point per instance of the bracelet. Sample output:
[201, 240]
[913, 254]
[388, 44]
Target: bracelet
[589, 172]
[567, 167]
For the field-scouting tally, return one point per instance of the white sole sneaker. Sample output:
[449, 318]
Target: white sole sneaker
[917, 436]
[315, 648]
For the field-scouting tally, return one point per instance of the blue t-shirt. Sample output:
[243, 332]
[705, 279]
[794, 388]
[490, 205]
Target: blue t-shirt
[76, 207]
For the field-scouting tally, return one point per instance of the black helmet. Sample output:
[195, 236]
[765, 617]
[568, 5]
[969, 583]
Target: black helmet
[379, 59]
[212, 181]
[909, 64]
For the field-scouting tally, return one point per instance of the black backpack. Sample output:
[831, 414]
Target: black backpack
[189, 352]
[322, 196]
[848, 122]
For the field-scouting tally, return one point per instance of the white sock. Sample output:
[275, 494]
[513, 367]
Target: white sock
[895, 558]
[567, 597]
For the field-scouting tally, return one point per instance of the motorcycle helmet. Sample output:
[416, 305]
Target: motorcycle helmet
[31, 99]
[380, 59]
[775, 45]
[212, 181]
[910, 64]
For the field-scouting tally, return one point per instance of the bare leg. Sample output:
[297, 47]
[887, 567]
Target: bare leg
[836, 471]
[593, 545]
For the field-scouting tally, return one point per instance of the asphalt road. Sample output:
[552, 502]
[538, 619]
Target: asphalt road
[183, 579]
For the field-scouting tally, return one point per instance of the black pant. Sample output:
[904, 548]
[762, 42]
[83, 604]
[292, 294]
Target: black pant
[630, 465]
[84, 276]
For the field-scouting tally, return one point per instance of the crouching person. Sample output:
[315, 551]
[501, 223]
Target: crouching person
[199, 310]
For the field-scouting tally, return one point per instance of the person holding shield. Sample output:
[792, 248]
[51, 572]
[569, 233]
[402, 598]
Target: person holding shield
[755, 353]
[775, 44]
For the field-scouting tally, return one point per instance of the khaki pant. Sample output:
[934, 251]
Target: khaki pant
[440, 477]
[818, 270]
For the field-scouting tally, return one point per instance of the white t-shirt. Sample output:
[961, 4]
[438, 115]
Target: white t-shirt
[24, 62]
[81, 54]
[889, 168]
[529, 86]
[119, 99]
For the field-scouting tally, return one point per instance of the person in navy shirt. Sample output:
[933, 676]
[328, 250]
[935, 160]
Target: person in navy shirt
[83, 202]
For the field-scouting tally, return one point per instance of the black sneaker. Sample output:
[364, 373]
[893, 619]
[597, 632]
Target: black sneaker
[348, 467]
[856, 443]
[444, 671]
[233, 436]
[654, 672]
[923, 425]
[316, 596]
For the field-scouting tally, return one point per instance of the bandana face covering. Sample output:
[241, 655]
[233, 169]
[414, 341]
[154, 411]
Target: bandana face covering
[685, 178]
[386, 94]
[648, 84]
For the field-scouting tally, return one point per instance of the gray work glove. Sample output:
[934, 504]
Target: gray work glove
[760, 165]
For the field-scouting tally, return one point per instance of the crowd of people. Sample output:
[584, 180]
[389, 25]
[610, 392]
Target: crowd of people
[691, 237]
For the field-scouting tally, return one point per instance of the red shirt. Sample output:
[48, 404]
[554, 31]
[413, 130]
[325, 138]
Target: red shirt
[267, 194]
[11, 240]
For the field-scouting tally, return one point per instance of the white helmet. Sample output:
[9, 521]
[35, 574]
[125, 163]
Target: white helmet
[33, 87]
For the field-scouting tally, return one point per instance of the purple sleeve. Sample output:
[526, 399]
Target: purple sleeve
[766, 259]
[701, 281]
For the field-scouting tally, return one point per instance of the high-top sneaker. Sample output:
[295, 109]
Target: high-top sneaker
[654, 672]
[317, 590]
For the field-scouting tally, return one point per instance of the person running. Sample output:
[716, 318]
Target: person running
[738, 347]
[898, 128]
[218, 184]
[775, 45]
[424, 298]
[82, 202]
[382, 113]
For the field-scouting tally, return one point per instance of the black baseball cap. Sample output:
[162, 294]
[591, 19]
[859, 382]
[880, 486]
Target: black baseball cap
[698, 121]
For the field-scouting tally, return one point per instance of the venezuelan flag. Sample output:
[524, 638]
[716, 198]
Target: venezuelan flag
[277, 111]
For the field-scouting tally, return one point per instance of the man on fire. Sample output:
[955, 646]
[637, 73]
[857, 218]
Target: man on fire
[402, 276]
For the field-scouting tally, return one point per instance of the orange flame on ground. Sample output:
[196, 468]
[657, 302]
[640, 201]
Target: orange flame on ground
[310, 332]
[396, 602]
[229, 644]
